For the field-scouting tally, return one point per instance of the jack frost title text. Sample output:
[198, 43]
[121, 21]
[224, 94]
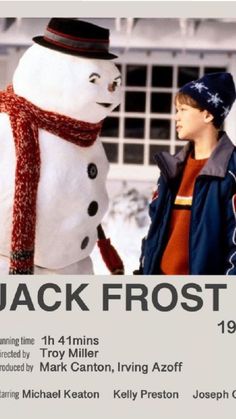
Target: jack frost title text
[163, 297]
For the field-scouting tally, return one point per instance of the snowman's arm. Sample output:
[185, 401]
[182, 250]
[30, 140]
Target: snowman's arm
[109, 254]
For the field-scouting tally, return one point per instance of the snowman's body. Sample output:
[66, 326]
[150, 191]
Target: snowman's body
[71, 196]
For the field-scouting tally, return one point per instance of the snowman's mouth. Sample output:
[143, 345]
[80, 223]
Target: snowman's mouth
[104, 104]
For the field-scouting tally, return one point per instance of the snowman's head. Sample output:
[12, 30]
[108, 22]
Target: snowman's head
[87, 89]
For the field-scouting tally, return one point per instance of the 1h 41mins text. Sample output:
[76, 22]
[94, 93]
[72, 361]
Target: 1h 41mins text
[70, 340]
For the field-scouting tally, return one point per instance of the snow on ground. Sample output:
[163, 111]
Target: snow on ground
[126, 223]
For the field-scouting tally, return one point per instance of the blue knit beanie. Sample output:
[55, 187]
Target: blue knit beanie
[214, 92]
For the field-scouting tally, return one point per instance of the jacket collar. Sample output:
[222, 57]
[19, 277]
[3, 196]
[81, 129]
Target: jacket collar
[216, 165]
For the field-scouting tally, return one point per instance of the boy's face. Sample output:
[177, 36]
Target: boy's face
[190, 122]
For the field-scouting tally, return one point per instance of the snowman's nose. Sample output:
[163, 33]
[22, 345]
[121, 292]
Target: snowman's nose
[112, 87]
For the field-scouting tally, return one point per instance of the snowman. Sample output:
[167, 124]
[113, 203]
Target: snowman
[53, 165]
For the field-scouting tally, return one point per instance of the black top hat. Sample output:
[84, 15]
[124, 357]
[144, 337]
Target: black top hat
[76, 37]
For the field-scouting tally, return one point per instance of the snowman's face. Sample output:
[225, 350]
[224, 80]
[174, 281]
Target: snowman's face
[98, 88]
[82, 88]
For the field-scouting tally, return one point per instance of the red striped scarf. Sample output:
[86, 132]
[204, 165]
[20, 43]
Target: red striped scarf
[26, 119]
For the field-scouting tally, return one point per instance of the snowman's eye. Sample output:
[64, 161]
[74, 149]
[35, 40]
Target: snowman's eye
[117, 81]
[94, 77]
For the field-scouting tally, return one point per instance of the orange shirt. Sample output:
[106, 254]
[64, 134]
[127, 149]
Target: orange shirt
[175, 259]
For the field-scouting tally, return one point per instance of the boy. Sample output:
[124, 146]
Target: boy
[193, 212]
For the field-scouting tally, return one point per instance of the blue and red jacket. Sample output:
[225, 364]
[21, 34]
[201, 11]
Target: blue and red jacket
[212, 235]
